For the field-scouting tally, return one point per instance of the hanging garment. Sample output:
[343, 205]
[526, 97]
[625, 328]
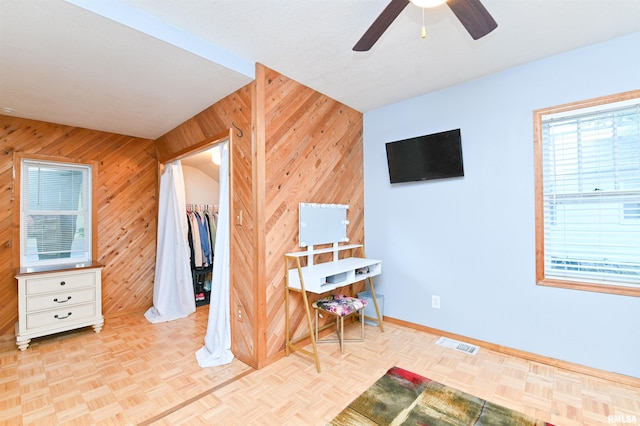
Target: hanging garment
[173, 288]
[190, 241]
[209, 215]
[205, 239]
[217, 348]
[197, 245]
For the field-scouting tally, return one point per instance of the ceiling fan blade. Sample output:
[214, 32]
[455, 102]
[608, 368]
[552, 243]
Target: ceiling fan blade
[380, 25]
[473, 16]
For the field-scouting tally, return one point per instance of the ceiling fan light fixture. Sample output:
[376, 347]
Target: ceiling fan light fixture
[473, 16]
[428, 3]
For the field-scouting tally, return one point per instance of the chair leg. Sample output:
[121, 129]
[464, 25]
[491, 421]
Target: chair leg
[339, 329]
[341, 335]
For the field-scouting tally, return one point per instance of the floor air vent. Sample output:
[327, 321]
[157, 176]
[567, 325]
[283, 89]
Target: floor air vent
[459, 346]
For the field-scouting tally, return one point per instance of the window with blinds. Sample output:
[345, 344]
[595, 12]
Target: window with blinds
[55, 221]
[590, 164]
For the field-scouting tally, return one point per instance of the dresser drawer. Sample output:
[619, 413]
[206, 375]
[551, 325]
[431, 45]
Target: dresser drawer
[60, 282]
[61, 316]
[60, 299]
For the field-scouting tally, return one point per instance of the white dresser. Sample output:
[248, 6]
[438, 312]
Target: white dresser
[57, 300]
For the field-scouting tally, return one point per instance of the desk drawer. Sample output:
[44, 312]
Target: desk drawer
[61, 317]
[60, 299]
[60, 282]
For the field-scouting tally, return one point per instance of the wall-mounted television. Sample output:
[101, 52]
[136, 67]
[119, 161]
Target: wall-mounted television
[434, 156]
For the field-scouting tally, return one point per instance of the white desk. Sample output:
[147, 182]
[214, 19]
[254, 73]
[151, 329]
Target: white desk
[325, 277]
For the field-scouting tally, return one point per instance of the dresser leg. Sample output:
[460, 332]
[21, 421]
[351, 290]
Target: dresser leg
[22, 343]
[98, 327]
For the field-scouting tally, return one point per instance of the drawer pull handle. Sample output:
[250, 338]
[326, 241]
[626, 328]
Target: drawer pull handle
[57, 317]
[62, 301]
[62, 283]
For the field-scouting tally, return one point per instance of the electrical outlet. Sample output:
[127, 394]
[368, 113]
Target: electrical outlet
[435, 302]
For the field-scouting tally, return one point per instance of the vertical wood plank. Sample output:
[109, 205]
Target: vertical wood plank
[259, 173]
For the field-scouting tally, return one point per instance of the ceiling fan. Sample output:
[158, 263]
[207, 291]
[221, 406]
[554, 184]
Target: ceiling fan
[471, 13]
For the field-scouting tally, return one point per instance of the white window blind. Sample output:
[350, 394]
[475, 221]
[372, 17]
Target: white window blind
[591, 190]
[55, 223]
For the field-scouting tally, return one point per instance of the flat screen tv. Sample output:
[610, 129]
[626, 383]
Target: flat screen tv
[435, 156]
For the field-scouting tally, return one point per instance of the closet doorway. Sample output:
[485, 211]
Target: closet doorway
[206, 169]
[201, 172]
[201, 166]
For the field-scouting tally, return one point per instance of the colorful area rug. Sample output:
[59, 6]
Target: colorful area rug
[404, 398]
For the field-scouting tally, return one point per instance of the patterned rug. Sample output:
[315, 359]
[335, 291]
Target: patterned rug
[404, 398]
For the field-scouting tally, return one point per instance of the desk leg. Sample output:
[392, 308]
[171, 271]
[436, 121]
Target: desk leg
[289, 346]
[286, 322]
[375, 303]
[311, 334]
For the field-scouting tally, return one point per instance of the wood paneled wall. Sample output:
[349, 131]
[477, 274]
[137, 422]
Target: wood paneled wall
[126, 206]
[298, 146]
[291, 144]
[313, 154]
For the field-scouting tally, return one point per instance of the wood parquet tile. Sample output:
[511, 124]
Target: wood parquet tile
[136, 373]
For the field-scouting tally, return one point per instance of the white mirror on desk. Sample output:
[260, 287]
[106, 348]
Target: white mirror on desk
[322, 224]
[327, 224]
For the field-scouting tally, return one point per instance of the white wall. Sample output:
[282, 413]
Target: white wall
[471, 240]
[200, 188]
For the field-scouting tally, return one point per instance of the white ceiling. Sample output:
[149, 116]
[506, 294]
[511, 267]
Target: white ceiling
[202, 161]
[166, 60]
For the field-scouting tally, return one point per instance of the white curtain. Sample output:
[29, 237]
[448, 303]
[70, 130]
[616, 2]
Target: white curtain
[217, 342]
[173, 288]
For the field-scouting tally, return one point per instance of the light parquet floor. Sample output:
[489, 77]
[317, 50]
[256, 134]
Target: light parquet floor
[135, 372]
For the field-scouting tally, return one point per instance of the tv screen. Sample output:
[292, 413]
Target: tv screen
[435, 156]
